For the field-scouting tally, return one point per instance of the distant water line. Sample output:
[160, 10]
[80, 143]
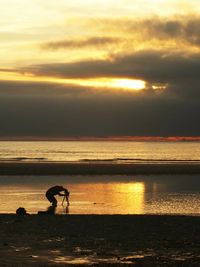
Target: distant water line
[113, 151]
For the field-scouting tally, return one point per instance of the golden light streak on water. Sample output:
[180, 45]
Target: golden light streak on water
[133, 202]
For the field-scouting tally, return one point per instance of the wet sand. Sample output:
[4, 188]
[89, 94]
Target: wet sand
[105, 240]
[93, 168]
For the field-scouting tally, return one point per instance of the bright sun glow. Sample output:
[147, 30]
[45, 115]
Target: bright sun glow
[127, 84]
[115, 83]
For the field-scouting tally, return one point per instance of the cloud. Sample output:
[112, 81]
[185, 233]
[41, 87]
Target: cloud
[184, 29]
[121, 34]
[43, 109]
[152, 66]
[79, 43]
[175, 30]
[47, 109]
[37, 90]
[158, 50]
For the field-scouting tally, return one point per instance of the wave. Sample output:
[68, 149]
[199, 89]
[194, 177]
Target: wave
[138, 160]
[96, 160]
[23, 159]
[73, 152]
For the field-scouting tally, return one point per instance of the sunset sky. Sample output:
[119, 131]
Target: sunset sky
[99, 68]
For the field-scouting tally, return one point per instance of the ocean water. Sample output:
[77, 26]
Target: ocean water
[106, 194]
[99, 151]
[118, 194]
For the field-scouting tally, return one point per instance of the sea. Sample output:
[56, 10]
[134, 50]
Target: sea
[103, 194]
[76, 151]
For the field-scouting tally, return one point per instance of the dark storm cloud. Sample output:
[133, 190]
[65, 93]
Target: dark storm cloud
[79, 43]
[151, 66]
[40, 109]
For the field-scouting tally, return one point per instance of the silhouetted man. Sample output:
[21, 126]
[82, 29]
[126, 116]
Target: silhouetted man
[56, 190]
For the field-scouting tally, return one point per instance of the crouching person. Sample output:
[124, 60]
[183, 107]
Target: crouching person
[57, 190]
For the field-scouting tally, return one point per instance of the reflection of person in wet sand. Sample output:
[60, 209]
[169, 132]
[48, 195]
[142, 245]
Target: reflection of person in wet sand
[56, 190]
[50, 211]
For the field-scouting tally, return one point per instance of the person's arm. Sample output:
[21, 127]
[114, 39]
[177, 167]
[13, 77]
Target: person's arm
[66, 193]
[62, 195]
[62, 189]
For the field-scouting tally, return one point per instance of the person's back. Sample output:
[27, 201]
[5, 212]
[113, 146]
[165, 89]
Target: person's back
[55, 190]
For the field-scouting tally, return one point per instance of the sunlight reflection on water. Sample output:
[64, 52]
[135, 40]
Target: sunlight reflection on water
[104, 195]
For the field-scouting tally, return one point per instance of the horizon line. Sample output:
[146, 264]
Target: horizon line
[104, 138]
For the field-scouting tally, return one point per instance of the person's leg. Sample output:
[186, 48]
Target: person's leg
[52, 199]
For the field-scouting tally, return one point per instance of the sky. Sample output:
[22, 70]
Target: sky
[99, 68]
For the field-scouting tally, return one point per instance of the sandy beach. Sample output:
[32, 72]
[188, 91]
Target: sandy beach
[60, 168]
[91, 240]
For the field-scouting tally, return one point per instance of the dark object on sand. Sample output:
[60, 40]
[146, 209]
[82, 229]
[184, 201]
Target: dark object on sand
[21, 211]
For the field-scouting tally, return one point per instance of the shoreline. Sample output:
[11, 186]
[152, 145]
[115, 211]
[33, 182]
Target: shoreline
[91, 168]
[99, 240]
